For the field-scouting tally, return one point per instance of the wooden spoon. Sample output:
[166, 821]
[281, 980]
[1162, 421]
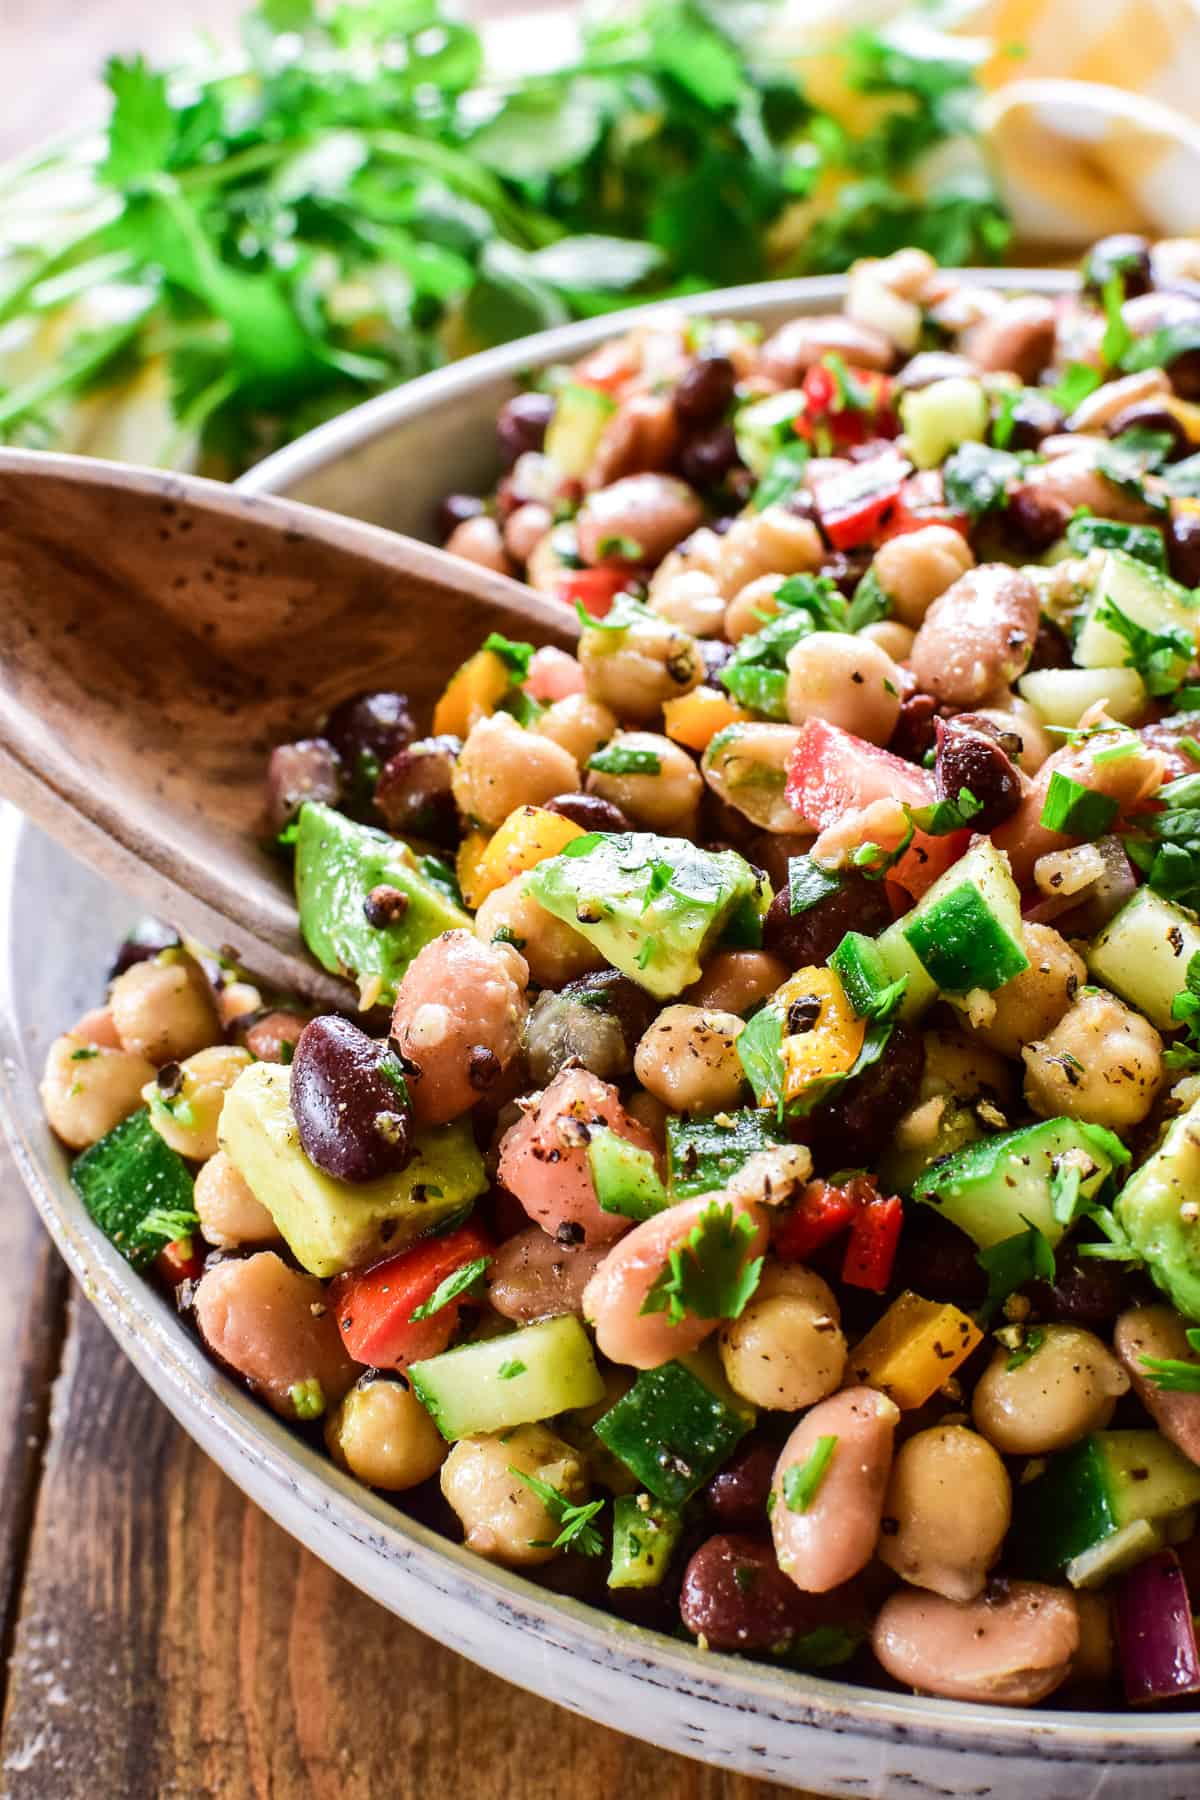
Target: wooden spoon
[159, 634]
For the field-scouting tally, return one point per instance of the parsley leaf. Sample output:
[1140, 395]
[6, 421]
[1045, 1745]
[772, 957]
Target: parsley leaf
[1012, 1262]
[514, 1366]
[975, 478]
[709, 1275]
[1161, 658]
[576, 1531]
[620, 759]
[1077, 381]
[1118, 338]
[801, 1481]
[141, 131]
[455, 1287]
[1171, 1374]
[945, 816]
[515, 657]
[1031, 1342]
[1075, 810]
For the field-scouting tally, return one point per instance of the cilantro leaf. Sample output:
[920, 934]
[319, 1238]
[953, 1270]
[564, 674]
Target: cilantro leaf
[1172, 1374]
[620, 759]
[1031, 1342]
[1161, 658]
[976, 477]
[142, 128]
[1118, 338]
[576, 1531]
[1008, 1265]
[801, 1482]
[1077, 381]
[945, 816]
[709, 1276]
[515, 657]
[455, 1287]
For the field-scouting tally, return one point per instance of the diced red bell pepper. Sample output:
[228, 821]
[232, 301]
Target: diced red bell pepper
[874, 1238]
[374, 1309]
[844, 406]
[609, 367]
[181, 1261]
[831, 772]
[922, 502]
[593, 589]
[823, 1209]
[856, 505]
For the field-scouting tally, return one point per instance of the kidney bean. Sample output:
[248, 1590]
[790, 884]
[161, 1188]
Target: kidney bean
[864, 1112]
[704, 390]
[454, 510]
[928, 366]
[970, 759]
[1122, 253]
[353, 1122]
[1183, 548]
[264, 1032]
[914, 735]
[535, 1276]
[1034, 417]
[737, 1494]
[521, 425]
[414, 793]
[707, 457]
[1014, 1645]
[370, 727]
[1050, 648]
[589, 812]
[144, 942]
[736, 1597]
[828, 1542]
[1017, 337]
[1152, 415]
[1034, 518]
[308, 770]
[805, 938]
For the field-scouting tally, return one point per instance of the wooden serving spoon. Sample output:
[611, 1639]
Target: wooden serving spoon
[159, 634]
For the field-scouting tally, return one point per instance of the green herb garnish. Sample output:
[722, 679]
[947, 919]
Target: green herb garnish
[800, 1484]
[1076, 811]
[454, 1287]
[616, 759]
[1171, 1374]
[576, 1531]
[1012, 1262]
[709, 1276]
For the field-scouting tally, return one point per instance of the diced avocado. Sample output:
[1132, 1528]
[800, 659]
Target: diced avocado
[576, 427]
[703, 1155]
[912, 1150]
[652, 906]
[337, 865]
[645, 1533]
[1060, 697]
[1148, 1210]
[1000, 1186]
[1143, 953]
[624, 1176]
[1145, 597]
[937, 418]
[967, 929]
[511, 1380]
[334, 1225]
[675, 1427]
[136, 1189]
[1101, 1486]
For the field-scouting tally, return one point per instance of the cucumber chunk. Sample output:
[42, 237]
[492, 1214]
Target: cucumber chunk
[576, 427]
[1143, 952]
[899, 959]
[674, 1428]
[863, 971]
[997, 1187]
[938, 418]
[645, 1533]
[1144, 596]
[966, 931]
[1148, 1210]
[136, 1189]
[1060, 697]
[703, 1155]
[1101, 1487]
[465, 1393]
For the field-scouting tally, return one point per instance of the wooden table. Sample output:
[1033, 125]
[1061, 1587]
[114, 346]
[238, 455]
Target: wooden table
[160, 1638]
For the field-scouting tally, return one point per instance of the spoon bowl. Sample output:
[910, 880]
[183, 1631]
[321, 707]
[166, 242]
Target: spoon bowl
[159, 634]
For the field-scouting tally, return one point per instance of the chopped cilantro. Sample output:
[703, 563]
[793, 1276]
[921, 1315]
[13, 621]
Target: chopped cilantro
[505, 935]
[617, 759]
[619, 549]
[1031, 1342]
[1077, 381]
[870, 603]
[1161, 658]
[1171, 1374]
[784, 477]
[975, 478]
[809, 884]
[455, 1287]
[1012, 1262]
[85, 1053]
[1117, 339]
[1145, 542]
[708, 1276]
[515, 657]
[1158, 348]
[800, 1484]
[514, 1366]
[945, 816]
[576, 1531]
[1076, 811]
[392, 1070]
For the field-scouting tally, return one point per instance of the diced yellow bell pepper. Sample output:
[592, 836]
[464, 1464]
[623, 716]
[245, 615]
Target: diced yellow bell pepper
[1185, 412]
[473, 691]
[470, 854]
[822, 1034]
[526, 838]
[694, 719]
[914, 1349]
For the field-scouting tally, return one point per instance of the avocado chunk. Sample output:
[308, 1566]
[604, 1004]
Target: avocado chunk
[1001, 1185]
[1148, 1208]
[334, 1225]
[652, 906]
[1109, 1482]
[338, 864]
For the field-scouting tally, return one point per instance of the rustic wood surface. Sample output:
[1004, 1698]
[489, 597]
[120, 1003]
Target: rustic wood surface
[160, 1638]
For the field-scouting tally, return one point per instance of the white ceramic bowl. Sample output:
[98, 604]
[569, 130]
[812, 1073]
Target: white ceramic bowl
[389, 462]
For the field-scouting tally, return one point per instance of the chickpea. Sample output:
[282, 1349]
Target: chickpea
[947, 1511]
[526, 528]
[633, 671]
[1031, 1004]
[689, 1059]
[164, 1010]
[752, 606]
[914, 568]
[186, 1112]
[891, 636]
[766, 542]
[459, 1013]
[271, 1324]
[1069, 1386]
[553, 950]
[502, 766]
[237, 1000]
[735, 980]
[1102, 1062]
[959, 1066]
[502, 1518]
[578, 725]
[846, 680]
[478, 540]
[96, 1027]
[691, 600]
[746, 766]
[88, 1088]
[696, 555]
[229, 1214]
[666, 798]
[786, 1351]
[382, 1435]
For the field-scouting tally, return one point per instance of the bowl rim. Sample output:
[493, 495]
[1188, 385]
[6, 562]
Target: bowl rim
[198, 1392]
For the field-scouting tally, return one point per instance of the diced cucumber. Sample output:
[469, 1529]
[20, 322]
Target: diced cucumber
[863, 971]
[1060, 697]
[1108, 1482]
[465, 1392]
[1145, 597]
[645, 1533]
[938, 418]
[1143, 952]
[901, 959]
[675, 1427]
[703, 1155]
[136, 1188]
[1133, 1543]
[765, 427]
[576, 427]
[966, 930]
[996, 1188]
[625, 1177]
[1149, 1210]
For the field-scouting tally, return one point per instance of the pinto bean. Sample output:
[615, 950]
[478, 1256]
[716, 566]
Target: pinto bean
[271, 1325]
[614, 1297]
[800, 343]
[835, 1536]
[947, 1511]
[1058, 488]
[544, 1160]
[1017, 338]
[735, 1597]
[534, 1276]
[414, 793]
[977, 636]
[478, 540]
[1012, 1646]
[310, 769]
[457, 1021]
[652, 512]
[1159, 1332]
[1098, 411]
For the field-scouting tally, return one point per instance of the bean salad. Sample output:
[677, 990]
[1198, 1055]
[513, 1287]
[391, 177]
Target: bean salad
[759, 1191]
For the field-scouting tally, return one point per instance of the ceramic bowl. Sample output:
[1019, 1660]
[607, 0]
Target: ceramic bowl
[389, 462]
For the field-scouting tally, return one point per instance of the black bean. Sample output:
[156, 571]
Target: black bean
[938, 1260]
[1034, 518]
[589, 812]
[144, 942]
[413, 793]
[1086, 1291]
[308, 770]
[914, 735]
[707, 458]
[1034, 417]
[772, 851]
[1051, 649]
[454, 511]
[736, 1597]
[806, 938]
[704, 391]
[270, 1034]
[1123, 253]
[864, 1113]
[1152, 415]
[355, 1123]
[971, 759]
[367, 729]
[737, 1494]
[522, 423]
[928, 366]
[1183, 548]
